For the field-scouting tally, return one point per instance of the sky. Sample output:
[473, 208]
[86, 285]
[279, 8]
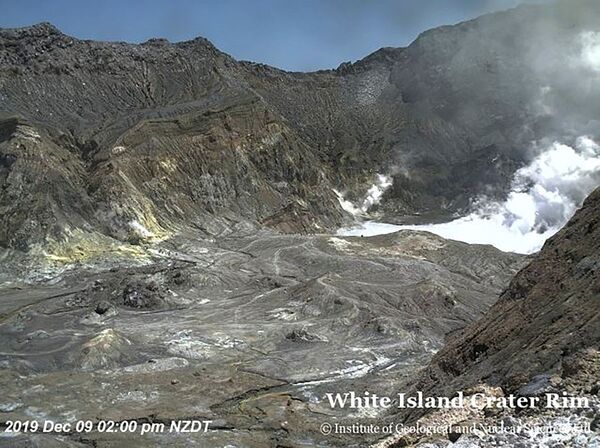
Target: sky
[299, 35]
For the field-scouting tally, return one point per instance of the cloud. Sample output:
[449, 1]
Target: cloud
[590, 53]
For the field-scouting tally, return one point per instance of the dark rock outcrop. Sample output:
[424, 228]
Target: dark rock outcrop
[544, 322]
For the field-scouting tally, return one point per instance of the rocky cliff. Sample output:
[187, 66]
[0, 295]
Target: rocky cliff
[541, 337]
[113, 141]
[547, 317]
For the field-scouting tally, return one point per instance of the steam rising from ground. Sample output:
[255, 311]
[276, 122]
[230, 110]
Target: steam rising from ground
[547, 192]
[373, 196]
[544, 195]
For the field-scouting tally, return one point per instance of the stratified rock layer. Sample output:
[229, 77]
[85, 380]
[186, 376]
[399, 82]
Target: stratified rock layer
[131, 142]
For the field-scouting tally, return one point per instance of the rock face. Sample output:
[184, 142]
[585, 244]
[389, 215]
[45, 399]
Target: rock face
[113, 141]
[548, 314]
[541, 337]
[138, 140]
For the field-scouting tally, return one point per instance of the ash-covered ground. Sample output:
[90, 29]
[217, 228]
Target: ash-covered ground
[248, 331]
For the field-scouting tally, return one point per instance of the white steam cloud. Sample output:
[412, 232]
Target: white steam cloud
[373, 196]
[545, 194]
[590, 52]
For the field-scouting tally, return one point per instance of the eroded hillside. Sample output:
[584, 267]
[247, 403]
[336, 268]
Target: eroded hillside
[126, 142]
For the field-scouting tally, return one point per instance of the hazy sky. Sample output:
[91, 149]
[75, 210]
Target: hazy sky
[290, 34]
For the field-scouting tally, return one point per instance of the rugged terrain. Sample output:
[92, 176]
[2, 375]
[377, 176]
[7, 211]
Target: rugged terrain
[248, 331]
[104, 140]
[542, 335]
[166, 221]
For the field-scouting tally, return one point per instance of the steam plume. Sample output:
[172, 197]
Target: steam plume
[544, 195]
